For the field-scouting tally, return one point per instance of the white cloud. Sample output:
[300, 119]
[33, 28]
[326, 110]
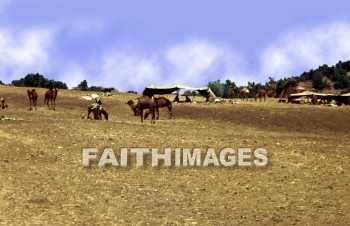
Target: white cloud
[193, 63]
[73, 75]
[197, 62]
[24, 52]
[306, 49]
[127, 71]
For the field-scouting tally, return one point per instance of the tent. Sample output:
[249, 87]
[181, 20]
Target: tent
[345, 98]
[152, 89]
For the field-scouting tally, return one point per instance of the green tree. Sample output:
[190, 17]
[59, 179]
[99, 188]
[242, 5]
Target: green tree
[38, 80]
[217, 88]
[318, 82]
[83, 86]
[341, 82]
[226, 88]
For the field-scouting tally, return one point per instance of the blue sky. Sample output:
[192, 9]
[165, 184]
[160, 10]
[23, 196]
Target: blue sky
[131, 44]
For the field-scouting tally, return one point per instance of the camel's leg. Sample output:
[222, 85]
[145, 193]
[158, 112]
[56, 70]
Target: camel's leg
[54, 104]
[170, 112]
[89, 112]
[157, 112]
[153, 120]
[48, 103]
[141, 113]
[30, 104]
[147, 113]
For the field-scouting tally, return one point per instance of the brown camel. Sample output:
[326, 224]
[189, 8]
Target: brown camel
[162, 102]
[232, 92]
[135, 109]
[33, 98]
[98, 111]
[3, 105]
[244, 93]
[145, 102]
[109, 90]
[50, 96]
[261, 94]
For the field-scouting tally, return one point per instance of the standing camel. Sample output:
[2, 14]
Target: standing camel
[145, 102]
[51, 95]
[162, 102]
[3, 105]
[244, 93]
[261, 94]
[33, 98]
[232, 92]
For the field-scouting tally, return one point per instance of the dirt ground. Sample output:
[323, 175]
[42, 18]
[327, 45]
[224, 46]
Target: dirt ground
[43, 181]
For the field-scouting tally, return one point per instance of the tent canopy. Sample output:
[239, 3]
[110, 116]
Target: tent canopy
[152, 89]
[345, 98]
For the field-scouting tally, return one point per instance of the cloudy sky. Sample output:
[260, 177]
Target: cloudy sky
[130, 44]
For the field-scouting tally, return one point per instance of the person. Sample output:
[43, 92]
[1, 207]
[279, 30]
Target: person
[188, 99]
[176, 99]
[98, 101]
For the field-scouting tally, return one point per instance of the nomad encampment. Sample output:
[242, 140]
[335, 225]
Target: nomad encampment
[152, 89]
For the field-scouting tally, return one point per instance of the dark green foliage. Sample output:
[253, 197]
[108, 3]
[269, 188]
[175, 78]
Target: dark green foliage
[217, 88]
[96, 88]
[1, 83]
[341, 81]
[318, 83]
[337, 74]
[227, 86]
[281, 83]
[221, 89]
[130, 91]
[83, 86]
[37, 80]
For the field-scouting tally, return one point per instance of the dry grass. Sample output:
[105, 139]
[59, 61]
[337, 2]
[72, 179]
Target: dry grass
[43, 181]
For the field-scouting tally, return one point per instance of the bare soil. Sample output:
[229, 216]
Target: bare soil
[43, 181]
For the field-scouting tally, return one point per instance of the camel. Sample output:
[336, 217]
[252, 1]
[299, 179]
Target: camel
[50, 96]
[135, 109]
[244, 93]
[98, 111]
[3, 105]
[33, 98]
[232, 92]
[162, 102]
[261, 94]
[145, 102]
[109, 90]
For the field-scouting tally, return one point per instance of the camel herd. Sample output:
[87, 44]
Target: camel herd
[244, 94]
[50, 96]
[151, 105]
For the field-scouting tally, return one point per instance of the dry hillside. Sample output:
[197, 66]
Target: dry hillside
[43, 181]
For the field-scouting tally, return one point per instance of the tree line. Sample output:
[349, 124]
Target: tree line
[324, 77]
[38, 80]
